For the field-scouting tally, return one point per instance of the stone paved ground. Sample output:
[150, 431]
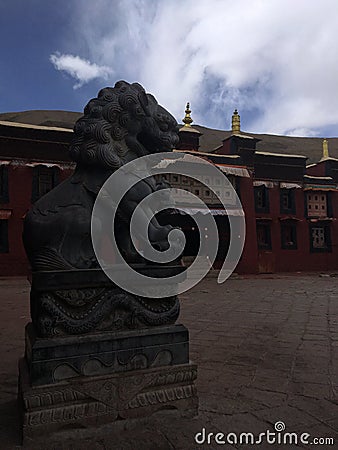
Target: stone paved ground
[266, 348]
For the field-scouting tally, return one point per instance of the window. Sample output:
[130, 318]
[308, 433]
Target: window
[4, 184]
[235, 182]
[197, 192]
[232, 180]
[263, 236]
[3, 236]
[261, 199]
[44, 180]
[320, 238]
[207, 193]
[289, 235]
[316, 204]
[287, 201]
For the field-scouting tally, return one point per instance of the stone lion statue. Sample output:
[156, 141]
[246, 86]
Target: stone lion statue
[120, 125]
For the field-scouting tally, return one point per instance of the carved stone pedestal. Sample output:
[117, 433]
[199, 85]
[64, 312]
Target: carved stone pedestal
[97, 356]
[86, 402]
[51, 360]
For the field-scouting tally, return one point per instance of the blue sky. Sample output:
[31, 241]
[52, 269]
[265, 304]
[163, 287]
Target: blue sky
[274, 60]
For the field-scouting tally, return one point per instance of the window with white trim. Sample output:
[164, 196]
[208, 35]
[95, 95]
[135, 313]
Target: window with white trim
[320, 238]
[316, 204]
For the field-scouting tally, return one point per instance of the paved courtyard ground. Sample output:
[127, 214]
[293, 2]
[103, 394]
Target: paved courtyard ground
[266, 349]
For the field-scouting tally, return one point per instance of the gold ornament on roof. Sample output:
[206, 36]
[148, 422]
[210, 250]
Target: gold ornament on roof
[187, 118]
[325, 148]
[236, 123]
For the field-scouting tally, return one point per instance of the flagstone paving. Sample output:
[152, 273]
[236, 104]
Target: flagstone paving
[266, 349]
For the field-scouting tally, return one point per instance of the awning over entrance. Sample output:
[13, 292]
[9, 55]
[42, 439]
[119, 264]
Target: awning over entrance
[290, 186]
[237, 171]
[322, 219]
[289, 218]
[5, 214]
[45, 164]
[214, 212]
[267, 184]
[22, 163]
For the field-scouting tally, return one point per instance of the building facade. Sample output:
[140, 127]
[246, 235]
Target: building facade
[33, 159]
[291, 209]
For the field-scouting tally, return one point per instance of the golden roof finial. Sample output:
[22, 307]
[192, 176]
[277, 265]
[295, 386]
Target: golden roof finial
[325, 149]
[236, 123]
[187, 118]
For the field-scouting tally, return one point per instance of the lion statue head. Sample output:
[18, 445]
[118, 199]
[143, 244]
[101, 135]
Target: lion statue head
[121, 124]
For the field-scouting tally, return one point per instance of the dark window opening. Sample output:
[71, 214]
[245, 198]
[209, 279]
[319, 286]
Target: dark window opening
[261, 199]
[4, 197]
[287, 201]
[4, 236]
[289, 235]
[235, 182]
[263, 236]
[44, 180]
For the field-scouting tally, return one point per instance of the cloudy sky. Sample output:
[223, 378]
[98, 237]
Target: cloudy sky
[276, 61]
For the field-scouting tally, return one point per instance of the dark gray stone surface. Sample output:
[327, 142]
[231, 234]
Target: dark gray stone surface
[53, 360]
[44, 281]
[79, 406]
[78, 302]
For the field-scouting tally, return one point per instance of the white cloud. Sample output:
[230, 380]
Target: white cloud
[299, 132]
[80, 69]
[273, 60]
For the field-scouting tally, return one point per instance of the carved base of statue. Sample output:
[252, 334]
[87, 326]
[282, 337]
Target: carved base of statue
[97, 355]
[61, 358]
[82, 404]
[77, 302]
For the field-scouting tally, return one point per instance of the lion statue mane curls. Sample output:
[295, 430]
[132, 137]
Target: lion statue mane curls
[120, 125]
